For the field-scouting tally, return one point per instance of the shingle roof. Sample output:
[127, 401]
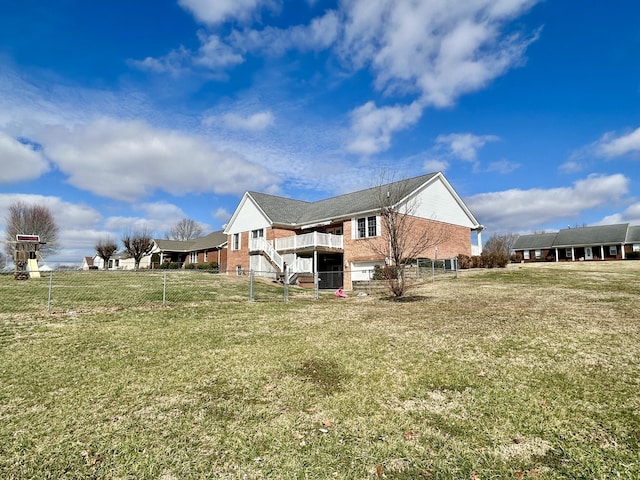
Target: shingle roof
[599, 235]
[534, 241]
[213, 240]
[296, 212]
[633, 234]
[583, 236]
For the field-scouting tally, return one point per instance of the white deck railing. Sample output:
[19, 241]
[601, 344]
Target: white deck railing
[310, 240]
[260, 244]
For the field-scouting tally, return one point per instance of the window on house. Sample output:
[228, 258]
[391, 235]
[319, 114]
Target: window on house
[206, 256]
[372, 229]
[567, 252]
[335, 230]
[636, 247]
[235, 244]
[526, 255]
[538, 253]
[613, 250]
[367, 227]
[193, 257]
[257, 233]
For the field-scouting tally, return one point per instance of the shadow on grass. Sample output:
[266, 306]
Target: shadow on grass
[406, 298]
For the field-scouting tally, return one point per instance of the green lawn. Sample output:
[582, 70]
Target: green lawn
[525, 372]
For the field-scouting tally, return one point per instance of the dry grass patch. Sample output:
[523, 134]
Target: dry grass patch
[529, 371]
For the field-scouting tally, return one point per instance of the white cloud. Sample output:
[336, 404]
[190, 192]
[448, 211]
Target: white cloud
[20, 161]
[440, 50]
[66, 214]
[254, 122]
[630, 215]
[571, 167]
[464, 146]
[214, 12]
[517, 210]
[611, 146]
[212, 55]
[128, 160]
[215, 54]
[321, 33]
[502, 167]
[222, 215]
[435, 165]
[372, 127]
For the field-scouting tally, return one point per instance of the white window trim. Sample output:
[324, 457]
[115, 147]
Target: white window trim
[237, 236]
[354, 229]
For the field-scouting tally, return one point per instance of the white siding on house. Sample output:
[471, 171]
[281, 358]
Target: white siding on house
[437, 202]
[363, 270]
[247, 217]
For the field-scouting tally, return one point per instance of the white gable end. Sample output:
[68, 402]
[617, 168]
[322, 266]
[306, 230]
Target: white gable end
[247, 217]
[437, 202]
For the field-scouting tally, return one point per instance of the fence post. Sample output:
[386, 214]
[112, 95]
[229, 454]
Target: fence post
[286, 285]
[164, 289]
[251, 285]
[316, 286]
[50, 288]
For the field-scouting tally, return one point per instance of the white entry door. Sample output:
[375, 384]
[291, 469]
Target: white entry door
[588, 253]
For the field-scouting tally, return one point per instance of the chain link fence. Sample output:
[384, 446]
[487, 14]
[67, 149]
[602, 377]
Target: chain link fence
[86, 291]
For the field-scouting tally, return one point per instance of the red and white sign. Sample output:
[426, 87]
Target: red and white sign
[28, 238]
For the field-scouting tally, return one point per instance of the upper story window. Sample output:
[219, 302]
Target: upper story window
[257, 233]
[235, 242]
[367, 227]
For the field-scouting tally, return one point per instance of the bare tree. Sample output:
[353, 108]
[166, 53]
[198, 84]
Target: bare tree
[186, 229]
[404, 236]
[105, 249]
[25, 219]
[138, 244]
[497, 250]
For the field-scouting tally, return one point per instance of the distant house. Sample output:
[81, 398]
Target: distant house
[87, 263]
[328, 237]
[207, 249]
[603, 242]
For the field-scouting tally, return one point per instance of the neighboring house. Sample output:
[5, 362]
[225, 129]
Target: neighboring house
[207, 249]
[604, 242]
[87, 263]
[330, 237]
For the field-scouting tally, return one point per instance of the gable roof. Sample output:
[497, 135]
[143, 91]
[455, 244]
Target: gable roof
[633, 234]
[298, 213]
[582, 236]
[208, 242]
[600, 235]
[535, 241]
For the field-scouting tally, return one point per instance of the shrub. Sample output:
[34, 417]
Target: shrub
[496, 252]
[476, 262]
[464, 262]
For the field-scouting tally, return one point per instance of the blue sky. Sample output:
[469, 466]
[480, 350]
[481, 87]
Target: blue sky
[122, 115]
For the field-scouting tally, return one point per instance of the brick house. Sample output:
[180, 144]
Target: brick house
[207, 249]
[602, 242]
[268, 234]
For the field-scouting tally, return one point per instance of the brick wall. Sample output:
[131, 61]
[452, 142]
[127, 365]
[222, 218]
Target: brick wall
[238, 258]
[455, 240]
